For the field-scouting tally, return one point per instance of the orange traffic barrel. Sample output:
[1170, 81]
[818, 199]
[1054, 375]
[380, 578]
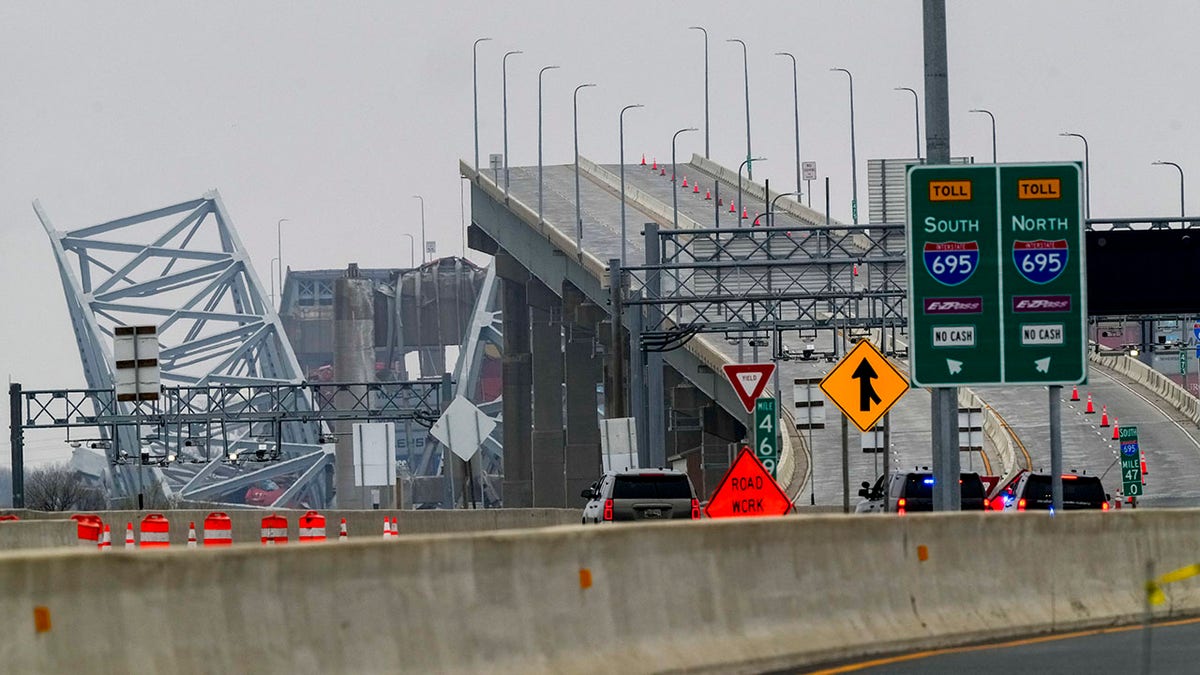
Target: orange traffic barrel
[312, 527]
[87, 528]
[218, 529]
[156, 531]
[274, 529]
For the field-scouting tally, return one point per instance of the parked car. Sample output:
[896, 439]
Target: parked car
[640, 494]
[909, 491]
[1080, 491]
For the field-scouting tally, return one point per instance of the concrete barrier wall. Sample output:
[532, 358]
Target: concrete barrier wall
[23, 534]
[247, 523]
[762, 593]
[1175, 396]
[996, 441]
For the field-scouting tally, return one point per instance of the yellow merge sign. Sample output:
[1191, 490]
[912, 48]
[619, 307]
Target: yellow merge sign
[864, 385]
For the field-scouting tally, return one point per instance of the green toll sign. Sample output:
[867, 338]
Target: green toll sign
[996, 275]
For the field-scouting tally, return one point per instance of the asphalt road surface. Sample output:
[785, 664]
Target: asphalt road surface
[1111, 650]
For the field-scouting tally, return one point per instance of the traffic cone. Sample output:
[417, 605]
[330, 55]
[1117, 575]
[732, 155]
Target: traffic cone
[672, 176]
[387, 528]
[708, 195]
[1090, 408]
[695, 188]
[343, 535]
[685, 181]
[731, 207]
[720, 201]
[643, 159]
[1075, 393]
[745, 215]
[129, 542]
[1116, 430]
[106, 540]
[395, 528]
[662, 171]
[191, 535]
[654, 167]
[1145, 471]
[1104, 417]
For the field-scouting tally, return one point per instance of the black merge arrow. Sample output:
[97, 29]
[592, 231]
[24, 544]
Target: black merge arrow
[864, 373]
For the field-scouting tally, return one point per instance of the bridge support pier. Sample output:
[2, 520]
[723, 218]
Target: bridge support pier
[546, 338]
[582, 456]
[517, 375]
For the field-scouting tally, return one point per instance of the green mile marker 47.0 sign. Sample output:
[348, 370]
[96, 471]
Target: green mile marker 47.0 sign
[1131, 462]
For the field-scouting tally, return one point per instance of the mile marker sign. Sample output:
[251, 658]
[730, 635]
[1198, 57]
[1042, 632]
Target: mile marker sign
[747, 490]
[749, 380]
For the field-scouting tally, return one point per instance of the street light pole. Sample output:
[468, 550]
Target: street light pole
[1087, 174]
[989, 114]
[796, 105]
[746, 79]
[504, 98]
[674, 183]
[540, 73]
[578, 210]
[701, 29]
[621, 134]
[771, 211]
[279, 249]
[475, 89]
[1178, 168]
[412, 251]
[424, 244]
[741, 207]
[853, 151]
[916, 115]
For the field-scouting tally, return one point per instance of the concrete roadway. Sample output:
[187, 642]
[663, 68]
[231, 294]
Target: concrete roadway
[1111, 650]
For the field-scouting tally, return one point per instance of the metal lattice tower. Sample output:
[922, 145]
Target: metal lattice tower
[183, 269]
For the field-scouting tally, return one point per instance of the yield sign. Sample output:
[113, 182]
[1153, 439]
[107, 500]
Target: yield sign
[747, 490]
[749, 380]
[864, 385]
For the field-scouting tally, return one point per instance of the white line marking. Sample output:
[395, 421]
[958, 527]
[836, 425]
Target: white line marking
[1150, 403]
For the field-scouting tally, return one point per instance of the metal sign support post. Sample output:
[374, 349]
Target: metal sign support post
[845, 464]
[17, 442]
[946, 496]
[1056, 467]
[656, 424]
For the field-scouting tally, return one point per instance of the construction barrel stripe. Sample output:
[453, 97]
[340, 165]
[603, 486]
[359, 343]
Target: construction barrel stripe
[156, 531]
[274, 530]
[218, 529]
[312, 527]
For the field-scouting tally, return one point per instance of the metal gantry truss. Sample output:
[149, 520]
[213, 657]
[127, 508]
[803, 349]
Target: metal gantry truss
[766, 279]
[183, 269]
[187, 425]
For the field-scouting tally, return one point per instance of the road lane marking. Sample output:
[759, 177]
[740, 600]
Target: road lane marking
[1162, 412]
[914, 656]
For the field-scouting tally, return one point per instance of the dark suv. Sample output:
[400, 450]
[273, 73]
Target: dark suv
[640, 494]
[910, 491]
[1032, 493]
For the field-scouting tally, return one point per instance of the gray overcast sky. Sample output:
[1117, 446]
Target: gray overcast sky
[333, 114]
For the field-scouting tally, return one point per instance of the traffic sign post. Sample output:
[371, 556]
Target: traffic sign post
[996, 275]
[864, 386]
[766, 436]
[1131, 468]
[747, 490]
